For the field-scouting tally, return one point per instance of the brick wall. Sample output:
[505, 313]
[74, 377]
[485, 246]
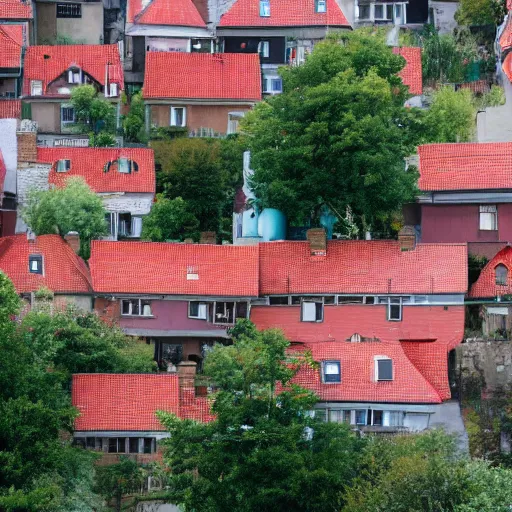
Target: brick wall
[108, 310]
[27, 146]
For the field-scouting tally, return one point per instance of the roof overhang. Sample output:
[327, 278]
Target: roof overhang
[306, 32]
[200, 101]
[466, 196]
[171, 31]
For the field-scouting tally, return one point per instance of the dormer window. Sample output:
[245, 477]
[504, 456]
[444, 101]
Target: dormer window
[35, 264]
[265, 8]
[113, 90]
[320, 6]
[74, 76]
[36, 88]
[501, 272]
[122, 165]
[331, 372]
[63, 165]
[383, 369]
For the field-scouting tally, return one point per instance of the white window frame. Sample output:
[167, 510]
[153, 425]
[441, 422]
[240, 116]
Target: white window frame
[202, 307]
[40, 260]
[325, 365]
[74, 76]
[267, 84]
[36, 88]
[318, 4]
[395, 301]
[233, 121]
[173, 117]
[264, 49]
[264, 8]
[304, 313]
[62, 108]
[488, 217]
[113, 91]
[376, 360]
[141, 310]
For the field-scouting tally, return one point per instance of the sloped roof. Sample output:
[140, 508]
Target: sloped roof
[89, 163]
[10, 47]
[411, 74]
[47, 63]
[3, 172]
[507, 66]
[181, 13]
[283, 13]
[111, 402]
[16, 9]
[358, 266]
[174, 269]
[465, 166]
[10, 109]
[506, 35]
[64, 271]
[485, 286]
[225, 76]
[358, 375]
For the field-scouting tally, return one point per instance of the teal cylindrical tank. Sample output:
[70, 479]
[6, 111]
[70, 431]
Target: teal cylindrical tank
[250, 222]
[272, 225]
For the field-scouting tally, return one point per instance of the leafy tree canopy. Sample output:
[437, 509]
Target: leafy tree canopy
[480, 12]
[61, 210]
[133, 123]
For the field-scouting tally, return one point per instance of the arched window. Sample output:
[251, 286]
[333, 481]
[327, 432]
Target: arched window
[501, 272]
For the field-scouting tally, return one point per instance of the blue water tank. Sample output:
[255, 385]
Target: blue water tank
[272, 225]
[250, 222]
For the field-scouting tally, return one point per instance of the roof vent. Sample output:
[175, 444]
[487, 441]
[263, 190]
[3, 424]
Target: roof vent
[46, 56]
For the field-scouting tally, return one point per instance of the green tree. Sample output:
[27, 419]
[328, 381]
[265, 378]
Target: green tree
[259, 454]
[134, 122]
[337, 135]
[92, 112]
[61, 210]
[480, 12]
[170, 219]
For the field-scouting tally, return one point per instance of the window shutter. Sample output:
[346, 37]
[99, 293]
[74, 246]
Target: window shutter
[308, 311]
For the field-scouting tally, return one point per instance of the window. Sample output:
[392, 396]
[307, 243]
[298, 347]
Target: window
[136, 307]
[339, 415]
[369, 300]
[229, 312]
[63, 165]
[376, 419]
[148, 444]
[134, 444]
[198, 310]
[383, 369]
[501, 272]
[360, 416]
[178, 116]
[112, 90]
[331, 372]
[364, 12]
[264, 49]
[320, 6]
[330, 300]
[272, 85]
[278, 301]
[265, 8]
[127, 166]
[312, 311]
[233, 121]
[74, 76]
[489, 218]
[349, 299]
[395, 309]
[117, 445]
[35, 264]
[192, 273]
[69, 11]
[36, 88]
[383, 11]
[67, 114]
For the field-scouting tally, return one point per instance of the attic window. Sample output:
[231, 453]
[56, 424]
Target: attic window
[192, 273]
[331, 372]
[36, 87]
[320, 5]
[265, 8]
[35, 264]
[126, 166]
[383, 368]
[501, 272]
[74, 76]
[355, 338]
[63, 165]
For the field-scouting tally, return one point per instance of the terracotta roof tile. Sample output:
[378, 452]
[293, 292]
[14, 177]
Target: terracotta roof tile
[181, 13]
[411, 74]
[485, 286]
[64, 271]
[10, 109]
[506, 36]
[47, 63]
[358, 375]
[228, 76]
[507, 66]
[465, 166]
[89, 163]
[174, 269]
[283, 13]
[16, 9]
[10, 49]
[362, 267]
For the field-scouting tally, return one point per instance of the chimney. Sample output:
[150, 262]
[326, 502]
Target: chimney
[407, 238]
[73, 239]
[317, 241]
[208, 237]
[187, 374]
[27, 146]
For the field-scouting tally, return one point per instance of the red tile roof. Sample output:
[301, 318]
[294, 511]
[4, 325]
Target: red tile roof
[16, 9]
[10, 48]
[465, 166]
[3, 172]
[47, 63]
[227, 76]
[162, 268]
[283, 13]
[10, 109]
[362, 267]
[64, 271]
[411, 74]
[181, 13]
[485, 286]
[506, 36]
[358, 375]
[507, 66]
[89, 163]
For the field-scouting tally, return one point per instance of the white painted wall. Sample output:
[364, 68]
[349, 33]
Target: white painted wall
[136, 204]
[9, 148]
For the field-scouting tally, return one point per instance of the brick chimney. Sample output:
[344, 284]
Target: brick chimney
[187, 374]
[73, 239]
[208, 237]
[27, 146]
[317, 241]
[407, 238]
